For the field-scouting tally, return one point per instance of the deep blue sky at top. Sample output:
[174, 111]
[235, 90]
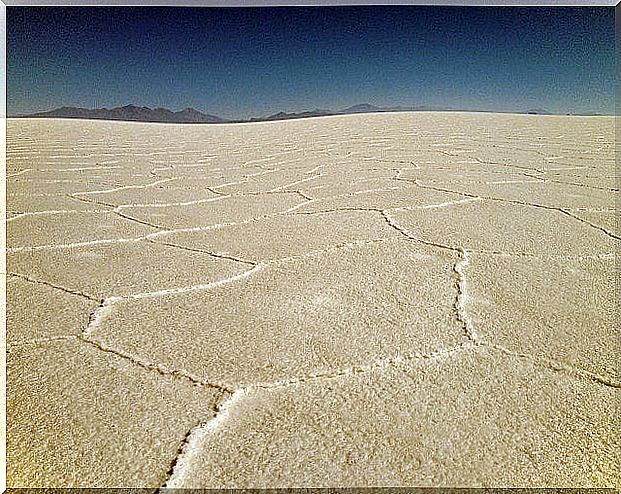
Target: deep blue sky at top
[240, 62]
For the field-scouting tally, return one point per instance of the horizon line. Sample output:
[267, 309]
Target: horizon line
[380, 109]
[296, 114]
[302, 117]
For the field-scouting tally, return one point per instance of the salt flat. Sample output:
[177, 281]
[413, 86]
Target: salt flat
[423, 299]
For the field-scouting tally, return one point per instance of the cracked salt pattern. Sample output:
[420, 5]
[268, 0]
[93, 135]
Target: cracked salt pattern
[337, 301]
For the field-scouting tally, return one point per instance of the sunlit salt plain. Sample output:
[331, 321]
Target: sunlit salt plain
[423, 299]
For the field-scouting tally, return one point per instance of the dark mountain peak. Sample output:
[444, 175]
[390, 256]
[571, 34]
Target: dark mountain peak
[361, 108]
[280, 114]
[132, 108]
[312, 113]
[194, 115]
[191, 110]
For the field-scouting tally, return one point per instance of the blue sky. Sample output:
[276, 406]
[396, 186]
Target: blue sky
[241, 62]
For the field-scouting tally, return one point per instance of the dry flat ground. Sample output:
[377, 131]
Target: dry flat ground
[422, 299]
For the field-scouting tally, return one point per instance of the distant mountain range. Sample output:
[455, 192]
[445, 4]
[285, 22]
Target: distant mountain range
[190, 115]
[132, 113]
[361, 108]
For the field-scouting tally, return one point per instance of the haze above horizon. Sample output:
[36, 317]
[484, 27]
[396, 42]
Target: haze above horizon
[247, 62]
